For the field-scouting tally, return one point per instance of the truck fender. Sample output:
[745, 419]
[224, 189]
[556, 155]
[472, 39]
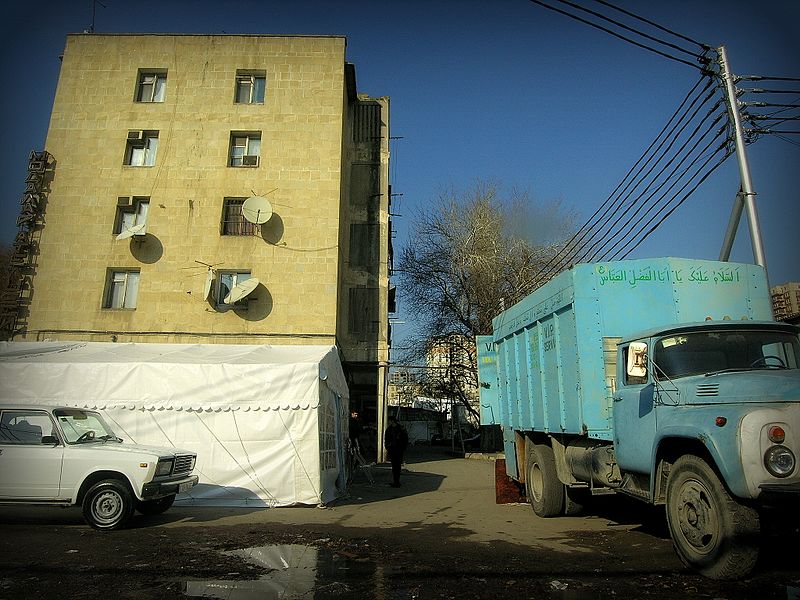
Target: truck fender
[720, 452]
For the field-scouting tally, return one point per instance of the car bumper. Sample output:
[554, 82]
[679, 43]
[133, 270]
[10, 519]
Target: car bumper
[159, 489]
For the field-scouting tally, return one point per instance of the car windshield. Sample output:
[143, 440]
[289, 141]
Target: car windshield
[83, 426]
[706, 352]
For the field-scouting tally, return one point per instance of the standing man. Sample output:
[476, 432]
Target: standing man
[395, 439]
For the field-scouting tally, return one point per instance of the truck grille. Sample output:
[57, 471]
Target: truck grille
[184, 463]
[708, 389]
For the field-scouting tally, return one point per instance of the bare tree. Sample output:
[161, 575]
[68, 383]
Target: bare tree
[466, 253]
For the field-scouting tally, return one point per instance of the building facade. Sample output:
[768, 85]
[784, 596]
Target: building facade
[786, 302]
[135, 223]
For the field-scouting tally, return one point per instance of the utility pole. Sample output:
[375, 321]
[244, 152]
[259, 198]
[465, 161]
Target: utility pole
[745, 199]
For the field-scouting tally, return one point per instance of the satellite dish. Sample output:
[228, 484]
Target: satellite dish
[241, 290]
[209, 281]
[257, 210]
[132, 231]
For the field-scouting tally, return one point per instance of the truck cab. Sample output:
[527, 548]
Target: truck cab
[707, 421]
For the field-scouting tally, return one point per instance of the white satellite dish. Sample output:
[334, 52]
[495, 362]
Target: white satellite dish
[207, 285]
[241, 290]
[257, 210]
[132, 231]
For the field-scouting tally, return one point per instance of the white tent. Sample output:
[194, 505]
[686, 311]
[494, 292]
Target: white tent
[268, 423]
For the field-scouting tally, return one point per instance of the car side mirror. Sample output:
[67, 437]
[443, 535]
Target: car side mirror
[49, 440]
[637, 360]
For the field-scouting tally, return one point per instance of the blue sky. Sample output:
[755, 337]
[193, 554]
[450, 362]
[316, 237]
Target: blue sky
[500, 90]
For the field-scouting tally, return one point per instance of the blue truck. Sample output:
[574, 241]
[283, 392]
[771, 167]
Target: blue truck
[664, 379]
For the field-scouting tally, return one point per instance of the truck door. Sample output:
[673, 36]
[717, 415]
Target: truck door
[28, 468]
[634, 418]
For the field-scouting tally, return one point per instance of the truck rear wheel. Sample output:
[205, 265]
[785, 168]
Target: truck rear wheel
[544, 490]
[711, 532]
[108, 505]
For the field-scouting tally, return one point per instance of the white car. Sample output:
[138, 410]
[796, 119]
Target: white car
[70, 456]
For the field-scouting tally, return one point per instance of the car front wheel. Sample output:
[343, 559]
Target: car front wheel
[108, 505]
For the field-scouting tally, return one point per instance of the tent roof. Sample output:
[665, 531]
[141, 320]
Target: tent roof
[169, 376]
[110, 352]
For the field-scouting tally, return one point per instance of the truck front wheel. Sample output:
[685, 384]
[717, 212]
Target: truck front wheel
[544, 490]
[711, 532]
[108, 505]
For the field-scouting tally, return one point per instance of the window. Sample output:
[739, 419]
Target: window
[363, 312]
[152, 86]
[24, 427]
[250, 87]
[233, 221]
[710, 351]
[122, 288]
[226, 281]
[131, 211]
[364, 246]
[141, 148]
[245, 149]
[631, 379]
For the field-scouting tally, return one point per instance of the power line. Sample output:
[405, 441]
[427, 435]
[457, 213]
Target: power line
[631, 29]
[632, 179]
[674, 169]
[664, 205]
[704, 47]
[589, 226]
[618, 35]
[765, 78]
[682, 200]
[614, 232]
[785, 139]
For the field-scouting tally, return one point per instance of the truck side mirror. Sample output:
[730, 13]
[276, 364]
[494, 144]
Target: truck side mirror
[637, 360]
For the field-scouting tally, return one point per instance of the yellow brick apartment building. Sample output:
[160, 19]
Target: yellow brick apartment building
[133, 227]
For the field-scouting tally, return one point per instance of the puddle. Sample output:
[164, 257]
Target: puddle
[296, 571]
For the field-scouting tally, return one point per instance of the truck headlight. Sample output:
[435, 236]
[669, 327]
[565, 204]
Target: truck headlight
[779, 461]
[164, 467]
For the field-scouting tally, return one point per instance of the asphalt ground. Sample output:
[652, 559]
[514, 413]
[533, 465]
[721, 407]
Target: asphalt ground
[440, 535]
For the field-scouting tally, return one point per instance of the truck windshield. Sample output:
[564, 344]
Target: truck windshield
[696, 353]
[83, 426]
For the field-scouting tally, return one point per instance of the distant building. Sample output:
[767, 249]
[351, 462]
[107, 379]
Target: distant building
[786, 302]
[450, 360]
[134, 224]
[403, 387]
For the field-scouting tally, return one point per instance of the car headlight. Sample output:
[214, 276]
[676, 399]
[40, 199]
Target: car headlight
[779, 461]
[164, 467]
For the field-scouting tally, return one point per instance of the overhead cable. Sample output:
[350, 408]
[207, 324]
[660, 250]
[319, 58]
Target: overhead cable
[785, 139]
[617, 35]
[631, 29]
[630, 180]
[666, 198]
[704, 47]
[764, 78]
[683, 199]
[647, 193]
[614, 232]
